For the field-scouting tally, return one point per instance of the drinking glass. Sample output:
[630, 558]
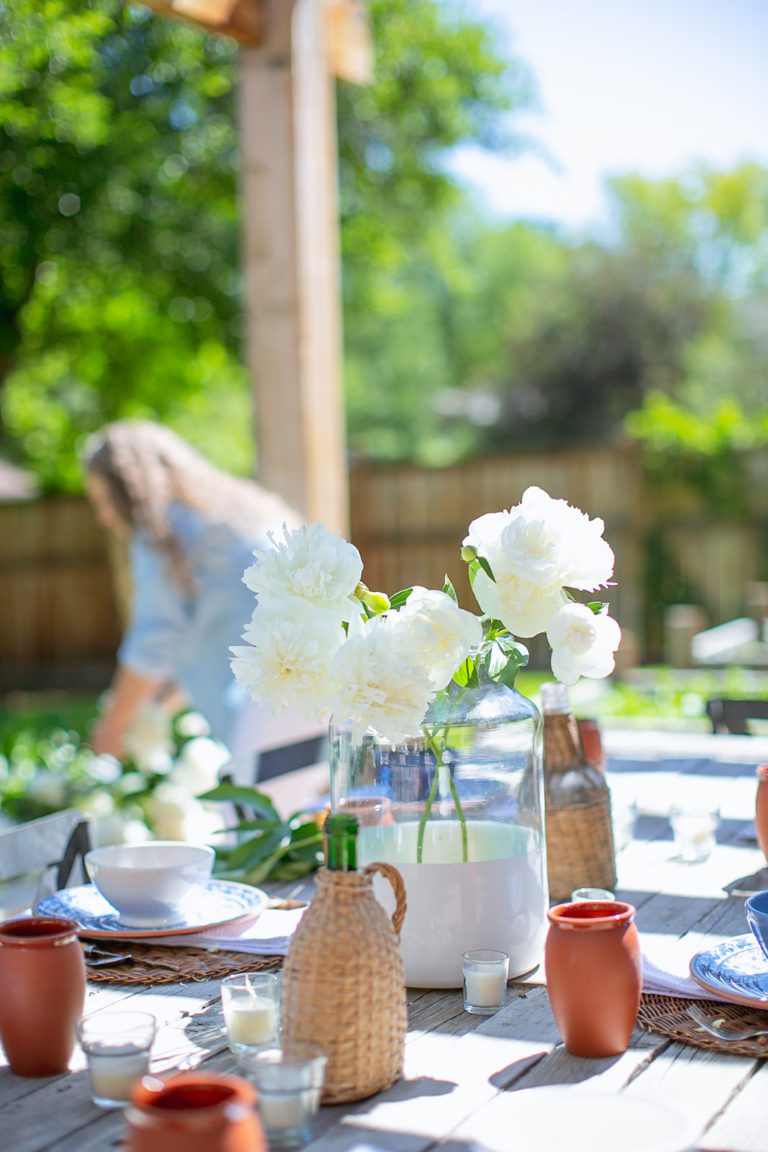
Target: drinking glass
[694, 827]
[289, 1080]
[117, 1046]
[251, 1003]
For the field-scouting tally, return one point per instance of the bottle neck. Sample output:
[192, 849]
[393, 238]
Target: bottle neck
[341, 843]
[562, 748]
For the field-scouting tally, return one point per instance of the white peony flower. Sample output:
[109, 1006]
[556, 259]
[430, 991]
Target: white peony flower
[289, 656]
[374, 686]
[436, 633]
[309, 564]
[197, 768]
[535, 550]
[584, 560]
[583, 644]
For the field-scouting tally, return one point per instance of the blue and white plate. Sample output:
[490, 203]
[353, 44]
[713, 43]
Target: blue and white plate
[736, 970]
[222, 902]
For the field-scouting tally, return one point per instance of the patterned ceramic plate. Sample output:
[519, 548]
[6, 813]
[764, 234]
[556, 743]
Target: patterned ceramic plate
[222, 902]
[736, 970]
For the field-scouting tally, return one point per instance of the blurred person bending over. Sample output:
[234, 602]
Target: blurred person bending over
[192, 531]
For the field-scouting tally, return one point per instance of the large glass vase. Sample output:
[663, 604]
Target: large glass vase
[458, 809]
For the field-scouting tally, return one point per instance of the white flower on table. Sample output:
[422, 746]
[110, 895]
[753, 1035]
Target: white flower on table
[535, 550]
[290, 646]
[435, 633]
[309, 564]
[372, 685]
[583, 643]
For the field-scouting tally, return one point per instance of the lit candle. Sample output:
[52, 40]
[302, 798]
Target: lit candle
[113, 1072]
[250, 1020]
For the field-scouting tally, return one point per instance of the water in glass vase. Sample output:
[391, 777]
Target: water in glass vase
[461, 817]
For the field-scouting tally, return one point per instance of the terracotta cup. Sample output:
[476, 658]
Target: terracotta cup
[761, 808]
[594, 975]
[42, 977]
[194, 1112]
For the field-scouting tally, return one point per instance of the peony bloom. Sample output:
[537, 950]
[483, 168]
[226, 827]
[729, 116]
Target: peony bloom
[289, 656]
[434, 632]
[583, 644]
[309, 564]
[373, 686]
[535, 550]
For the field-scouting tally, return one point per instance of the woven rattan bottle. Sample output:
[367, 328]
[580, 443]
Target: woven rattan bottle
[343, 982]
[580, 852]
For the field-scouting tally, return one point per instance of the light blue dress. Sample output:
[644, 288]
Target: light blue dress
[186, 638]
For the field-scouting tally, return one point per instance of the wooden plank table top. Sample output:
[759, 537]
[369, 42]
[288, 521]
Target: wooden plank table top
[462, 1070]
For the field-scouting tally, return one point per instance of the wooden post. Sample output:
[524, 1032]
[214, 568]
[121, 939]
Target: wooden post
[291, 260]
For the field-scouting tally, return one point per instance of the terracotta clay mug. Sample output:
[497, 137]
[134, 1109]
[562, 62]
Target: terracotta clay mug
[194, 1112]
[42, 976]
[594, 975]
[761, 808]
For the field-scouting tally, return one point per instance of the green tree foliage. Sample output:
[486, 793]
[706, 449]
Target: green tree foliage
[119, 226]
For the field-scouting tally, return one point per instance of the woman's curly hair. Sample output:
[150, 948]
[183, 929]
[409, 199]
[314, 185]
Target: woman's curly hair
[146, 467]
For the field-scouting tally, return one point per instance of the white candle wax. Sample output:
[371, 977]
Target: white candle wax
[113, 1073]
[285, 1109]
[485, 989]
[251, 1020]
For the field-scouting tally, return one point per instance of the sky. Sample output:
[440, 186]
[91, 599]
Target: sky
[647, 86]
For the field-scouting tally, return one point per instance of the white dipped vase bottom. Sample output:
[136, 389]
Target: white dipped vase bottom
[497, 899]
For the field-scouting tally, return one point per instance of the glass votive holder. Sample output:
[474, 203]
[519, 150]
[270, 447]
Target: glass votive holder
[117, 1046]
[581, 894]
[251, 1003]
[289, 1080]
[485, 980]
[694, 828]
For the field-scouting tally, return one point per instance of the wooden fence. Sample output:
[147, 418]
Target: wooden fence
[60, 623]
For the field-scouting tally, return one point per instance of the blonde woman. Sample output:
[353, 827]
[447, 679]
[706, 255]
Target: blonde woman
[192, 530]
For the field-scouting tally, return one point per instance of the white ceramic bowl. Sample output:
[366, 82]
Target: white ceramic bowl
[149, 884]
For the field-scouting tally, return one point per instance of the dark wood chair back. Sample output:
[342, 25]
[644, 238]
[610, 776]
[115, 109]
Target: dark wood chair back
[729, 715]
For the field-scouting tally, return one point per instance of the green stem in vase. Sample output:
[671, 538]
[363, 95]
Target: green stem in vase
[437, 747]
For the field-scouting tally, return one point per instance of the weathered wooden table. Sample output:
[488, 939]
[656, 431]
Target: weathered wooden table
[461, 1071]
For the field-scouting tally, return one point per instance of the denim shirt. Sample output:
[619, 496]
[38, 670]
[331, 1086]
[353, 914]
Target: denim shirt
[186, 638]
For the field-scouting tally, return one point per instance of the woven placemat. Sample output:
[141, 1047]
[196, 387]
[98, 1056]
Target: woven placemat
[668, 1016]
[148, 964]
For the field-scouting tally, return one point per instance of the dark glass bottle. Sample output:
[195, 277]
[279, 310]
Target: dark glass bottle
[341, 842]
[580, 849]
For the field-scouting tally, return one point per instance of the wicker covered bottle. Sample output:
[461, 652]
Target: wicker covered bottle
[580, 851]
[343, 980]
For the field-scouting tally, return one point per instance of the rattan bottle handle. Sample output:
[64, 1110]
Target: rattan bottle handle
[398, 887]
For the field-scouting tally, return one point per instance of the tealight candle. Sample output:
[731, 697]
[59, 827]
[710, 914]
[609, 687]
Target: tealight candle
[485, 980]
[251, 1021]
[289, 1080]
[251, 1002]
[117, 1046]
[113, 1073]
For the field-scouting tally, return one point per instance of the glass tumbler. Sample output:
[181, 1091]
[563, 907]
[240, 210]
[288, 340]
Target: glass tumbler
[251, 1003]
[289, 1080]
[485, 980]
[117, 1046]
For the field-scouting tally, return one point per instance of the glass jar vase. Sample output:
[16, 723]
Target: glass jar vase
[458, 809]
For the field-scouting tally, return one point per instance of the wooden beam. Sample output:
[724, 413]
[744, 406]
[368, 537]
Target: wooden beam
[291, 260]
[243, 20]
[350, 43]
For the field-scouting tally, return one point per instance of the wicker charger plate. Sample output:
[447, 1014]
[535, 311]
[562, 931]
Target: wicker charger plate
[153, 964]
[668, 1016]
